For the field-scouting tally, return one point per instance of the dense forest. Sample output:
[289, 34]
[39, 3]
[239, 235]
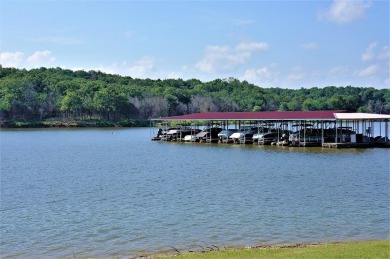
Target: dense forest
[62, 94]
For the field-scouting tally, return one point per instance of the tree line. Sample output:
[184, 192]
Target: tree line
[55, 93]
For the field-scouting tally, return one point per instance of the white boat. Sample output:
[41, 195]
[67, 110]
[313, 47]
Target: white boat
[209, 134]
[243, 135]
[273, 136]
[178, 134]
[265, 138]
[224, 135]
[190, 138]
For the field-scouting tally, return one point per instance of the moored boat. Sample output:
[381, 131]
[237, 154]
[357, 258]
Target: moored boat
[265, 138]
[224, 135]
[209, 134]
[177, 134]
[244, 135]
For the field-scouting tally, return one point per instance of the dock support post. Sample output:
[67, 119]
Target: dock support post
[322, 133]
[304, 133]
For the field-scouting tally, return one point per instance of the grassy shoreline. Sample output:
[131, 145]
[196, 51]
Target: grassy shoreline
[358, 249]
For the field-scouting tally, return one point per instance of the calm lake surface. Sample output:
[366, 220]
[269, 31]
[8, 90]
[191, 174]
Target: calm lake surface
[114, 192]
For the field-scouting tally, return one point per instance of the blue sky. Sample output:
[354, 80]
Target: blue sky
[287, 44]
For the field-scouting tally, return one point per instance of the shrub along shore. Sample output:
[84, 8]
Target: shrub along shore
[365, 249]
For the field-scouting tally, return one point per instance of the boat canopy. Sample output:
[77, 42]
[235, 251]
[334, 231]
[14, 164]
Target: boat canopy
[273, 115]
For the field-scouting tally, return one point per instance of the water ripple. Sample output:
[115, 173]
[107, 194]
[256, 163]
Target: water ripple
[67, 193]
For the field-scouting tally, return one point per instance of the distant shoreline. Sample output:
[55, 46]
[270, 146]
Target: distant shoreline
[73, 124]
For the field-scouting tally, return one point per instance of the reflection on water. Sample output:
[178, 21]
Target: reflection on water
[94, 192]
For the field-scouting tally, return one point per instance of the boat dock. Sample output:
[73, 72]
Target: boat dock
[328, 129]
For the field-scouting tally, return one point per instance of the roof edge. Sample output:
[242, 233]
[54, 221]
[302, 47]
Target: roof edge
[263, 115]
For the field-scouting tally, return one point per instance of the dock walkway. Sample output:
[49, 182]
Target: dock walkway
[348, 145]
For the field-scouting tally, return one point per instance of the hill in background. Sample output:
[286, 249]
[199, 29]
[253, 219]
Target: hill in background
[62, 94]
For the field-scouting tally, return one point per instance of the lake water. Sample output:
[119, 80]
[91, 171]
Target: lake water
[114, 192]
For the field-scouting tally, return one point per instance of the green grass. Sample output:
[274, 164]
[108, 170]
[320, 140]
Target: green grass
[367, 249]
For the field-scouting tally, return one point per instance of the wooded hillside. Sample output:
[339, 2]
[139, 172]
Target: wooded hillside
[46, 93]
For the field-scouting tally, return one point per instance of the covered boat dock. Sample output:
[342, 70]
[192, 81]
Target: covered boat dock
[333, 129]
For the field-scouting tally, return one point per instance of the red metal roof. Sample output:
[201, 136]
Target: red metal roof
[275, 115]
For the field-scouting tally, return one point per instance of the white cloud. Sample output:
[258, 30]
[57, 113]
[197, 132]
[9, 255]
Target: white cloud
[114, 68]
[255, 74]
[385, 54]
[267, 76]
[250, 74]
[11, 59]
[217, 58]
[16, 59]
[295, 76]
[309, 46]
[251, 46]
[41, 58]
[369, 71]
[338, 71]
[344, 11]
[297, 73]
[369, 53]
[380, 62]
[221, 58]
[141, 67]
